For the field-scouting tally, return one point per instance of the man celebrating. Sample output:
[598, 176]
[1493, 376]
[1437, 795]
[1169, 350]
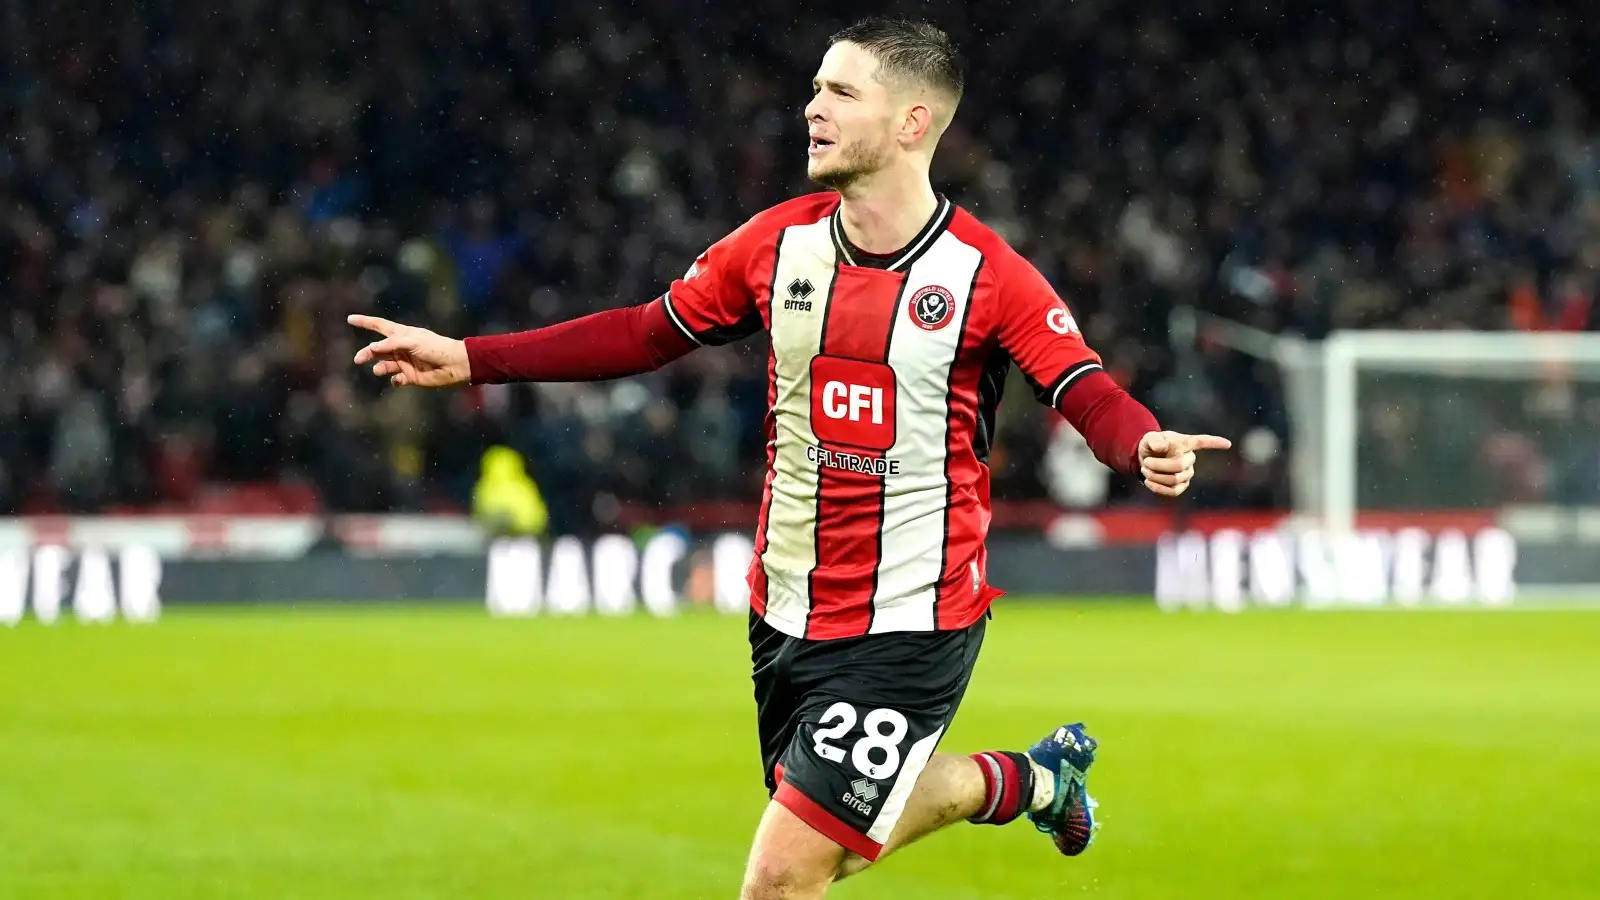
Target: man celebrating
[894, 317]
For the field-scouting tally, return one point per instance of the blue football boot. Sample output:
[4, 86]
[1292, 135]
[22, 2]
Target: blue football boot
[1067, 753]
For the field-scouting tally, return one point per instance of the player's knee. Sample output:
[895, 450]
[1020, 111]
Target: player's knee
[778, 879]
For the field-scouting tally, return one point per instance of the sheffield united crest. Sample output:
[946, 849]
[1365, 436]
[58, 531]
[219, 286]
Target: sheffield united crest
[932, 307]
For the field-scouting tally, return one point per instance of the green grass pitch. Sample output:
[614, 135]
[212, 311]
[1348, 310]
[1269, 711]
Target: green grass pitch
[406, 752]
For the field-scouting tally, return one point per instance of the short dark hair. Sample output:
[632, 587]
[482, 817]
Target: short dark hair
[909, 49]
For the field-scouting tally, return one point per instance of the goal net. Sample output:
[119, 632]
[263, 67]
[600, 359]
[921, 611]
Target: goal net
[1452, 421]
[1401, 440]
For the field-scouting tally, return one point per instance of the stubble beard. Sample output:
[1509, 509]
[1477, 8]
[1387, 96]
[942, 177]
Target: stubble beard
[855, 161]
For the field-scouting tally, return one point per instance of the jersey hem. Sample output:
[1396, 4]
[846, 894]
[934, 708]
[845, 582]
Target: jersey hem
[797, 628]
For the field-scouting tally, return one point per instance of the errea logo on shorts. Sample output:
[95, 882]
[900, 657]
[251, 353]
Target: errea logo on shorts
[1061, 321]
[852, 402]
[862, 793]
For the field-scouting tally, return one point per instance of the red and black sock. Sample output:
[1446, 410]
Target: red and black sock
[1007, 786]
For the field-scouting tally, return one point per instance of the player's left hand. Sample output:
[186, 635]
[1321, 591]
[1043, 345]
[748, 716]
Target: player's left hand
[1166, 459]
[413, 357]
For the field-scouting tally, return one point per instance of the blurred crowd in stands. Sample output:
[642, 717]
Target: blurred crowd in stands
[192, 197]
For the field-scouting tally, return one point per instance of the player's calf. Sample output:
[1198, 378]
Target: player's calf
[949, 790]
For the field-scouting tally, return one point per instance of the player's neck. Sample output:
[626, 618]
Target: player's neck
[888, 210]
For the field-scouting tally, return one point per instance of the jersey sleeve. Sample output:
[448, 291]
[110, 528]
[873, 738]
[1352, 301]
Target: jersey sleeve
[714, 302]
[1040, 335]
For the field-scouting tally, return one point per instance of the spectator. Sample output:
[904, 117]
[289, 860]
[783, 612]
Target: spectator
[192, 198]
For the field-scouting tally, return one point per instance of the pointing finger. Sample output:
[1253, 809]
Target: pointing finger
[1203, 442]
[373, 323]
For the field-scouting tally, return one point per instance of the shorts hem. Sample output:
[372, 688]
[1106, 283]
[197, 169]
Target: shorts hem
[826, 823]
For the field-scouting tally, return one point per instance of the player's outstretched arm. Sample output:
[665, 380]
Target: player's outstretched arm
[1166, 459]
[611, 344]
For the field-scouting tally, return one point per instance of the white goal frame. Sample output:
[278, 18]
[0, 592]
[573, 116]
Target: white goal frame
[1491, 354]
[1325, 374]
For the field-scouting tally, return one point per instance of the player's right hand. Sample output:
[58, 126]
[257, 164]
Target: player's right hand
[413, 357]
[1166, 459]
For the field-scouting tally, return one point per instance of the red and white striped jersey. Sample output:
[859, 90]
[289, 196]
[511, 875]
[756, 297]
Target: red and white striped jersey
[883, 381]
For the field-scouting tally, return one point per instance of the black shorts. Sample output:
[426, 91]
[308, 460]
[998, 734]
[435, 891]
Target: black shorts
[847, 725]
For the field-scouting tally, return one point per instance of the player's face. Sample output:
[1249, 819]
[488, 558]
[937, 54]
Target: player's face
[852, 118]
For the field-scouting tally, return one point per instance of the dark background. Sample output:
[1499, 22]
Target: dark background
[191, 200]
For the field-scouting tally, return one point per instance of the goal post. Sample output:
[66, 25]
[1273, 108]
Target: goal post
[1453, 392]
[1470, 456]
[1530, 387]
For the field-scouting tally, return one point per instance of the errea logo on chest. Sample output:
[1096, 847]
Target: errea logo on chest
[800, 291]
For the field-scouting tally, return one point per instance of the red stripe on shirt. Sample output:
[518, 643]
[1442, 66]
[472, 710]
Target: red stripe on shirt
[966, 510]
[849, 538]
[758, 571]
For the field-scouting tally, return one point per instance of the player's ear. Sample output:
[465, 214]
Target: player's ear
[919, 123]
